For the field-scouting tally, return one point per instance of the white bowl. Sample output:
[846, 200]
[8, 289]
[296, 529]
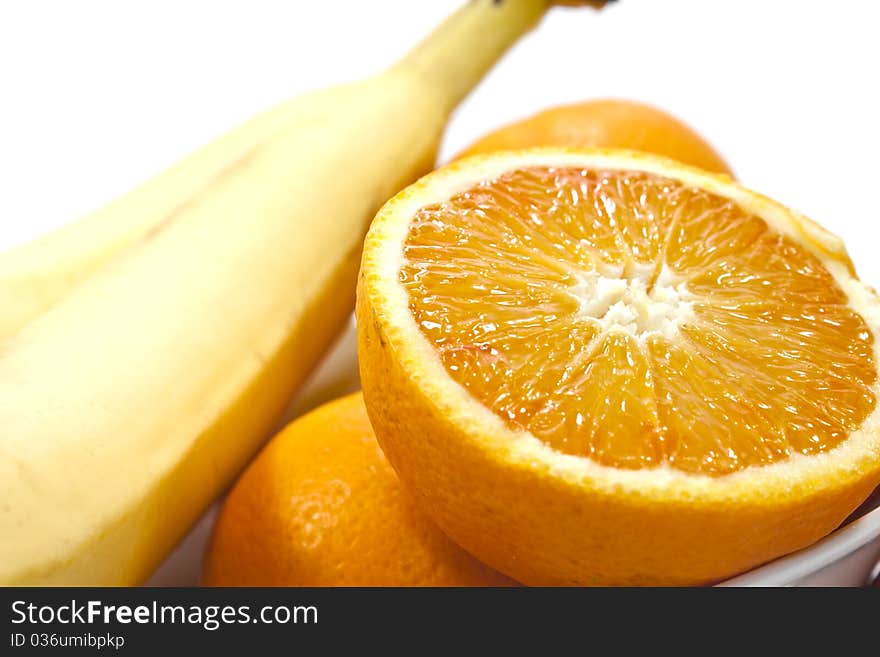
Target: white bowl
[844, 558]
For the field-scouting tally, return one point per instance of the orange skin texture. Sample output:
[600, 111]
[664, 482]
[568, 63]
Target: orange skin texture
[321, 506]
[606, 124]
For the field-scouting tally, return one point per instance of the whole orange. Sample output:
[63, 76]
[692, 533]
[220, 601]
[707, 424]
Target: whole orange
[320, 506]
[606, 124]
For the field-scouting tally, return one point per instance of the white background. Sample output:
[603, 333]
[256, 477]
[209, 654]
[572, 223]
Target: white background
[97, 95]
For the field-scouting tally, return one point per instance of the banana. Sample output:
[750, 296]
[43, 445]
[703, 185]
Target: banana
[36, 275]
[141, 384]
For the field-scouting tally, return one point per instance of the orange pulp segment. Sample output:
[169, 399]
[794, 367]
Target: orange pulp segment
[628, 318]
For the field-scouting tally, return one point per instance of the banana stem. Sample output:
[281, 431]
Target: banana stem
[464, 47]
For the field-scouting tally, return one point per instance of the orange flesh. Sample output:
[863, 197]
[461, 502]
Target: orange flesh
[630, 319]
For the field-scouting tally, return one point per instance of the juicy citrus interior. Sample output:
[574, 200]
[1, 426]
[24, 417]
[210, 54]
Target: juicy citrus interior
[634, 320]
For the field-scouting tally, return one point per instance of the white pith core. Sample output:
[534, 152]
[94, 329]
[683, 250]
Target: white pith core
[641, 302]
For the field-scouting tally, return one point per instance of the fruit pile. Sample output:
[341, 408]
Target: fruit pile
[588, 355]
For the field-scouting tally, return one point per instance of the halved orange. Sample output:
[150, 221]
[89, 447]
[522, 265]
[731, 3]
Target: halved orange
[603, 367]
